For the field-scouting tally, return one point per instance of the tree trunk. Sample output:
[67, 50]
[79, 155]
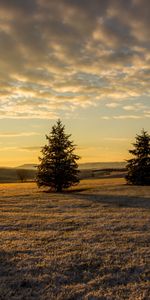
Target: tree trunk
[59, 189]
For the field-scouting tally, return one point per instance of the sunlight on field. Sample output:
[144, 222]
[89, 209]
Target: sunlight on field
[91, 242]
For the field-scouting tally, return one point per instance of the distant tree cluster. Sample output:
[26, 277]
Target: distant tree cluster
[138, 167]
[22, 174]
[25, 174]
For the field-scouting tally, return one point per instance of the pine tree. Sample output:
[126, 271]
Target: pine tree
[138, 168]
[58, 168]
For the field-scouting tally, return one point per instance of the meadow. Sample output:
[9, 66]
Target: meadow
[91, 242]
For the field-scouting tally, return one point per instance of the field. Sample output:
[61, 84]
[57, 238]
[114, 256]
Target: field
[90, 243]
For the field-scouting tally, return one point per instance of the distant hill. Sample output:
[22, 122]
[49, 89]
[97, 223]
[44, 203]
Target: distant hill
[27, 166]
[12, 174]
[88, 170]
[90, 165]
[8, 175]
[103, 165]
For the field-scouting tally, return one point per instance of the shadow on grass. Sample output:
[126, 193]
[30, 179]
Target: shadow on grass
[69, 191]
[109, 200]
[116, 201]
[14, 283]
[50, 282]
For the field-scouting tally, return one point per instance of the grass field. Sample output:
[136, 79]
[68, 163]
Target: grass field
[92, 242]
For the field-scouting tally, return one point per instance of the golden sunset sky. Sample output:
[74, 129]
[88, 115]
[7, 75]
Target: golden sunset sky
[83, 61]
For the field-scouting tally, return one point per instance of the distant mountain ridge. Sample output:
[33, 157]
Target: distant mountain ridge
[90, 165]
[27, 166]
[103, 165]
[88, 170]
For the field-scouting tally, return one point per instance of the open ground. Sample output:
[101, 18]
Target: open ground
[91, 242]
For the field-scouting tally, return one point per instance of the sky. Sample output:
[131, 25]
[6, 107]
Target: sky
[84, 62]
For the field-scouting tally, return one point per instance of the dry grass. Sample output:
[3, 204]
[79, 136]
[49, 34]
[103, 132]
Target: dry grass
[89, 243]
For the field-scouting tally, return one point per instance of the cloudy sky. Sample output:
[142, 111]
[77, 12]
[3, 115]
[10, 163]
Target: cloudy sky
[85, 62]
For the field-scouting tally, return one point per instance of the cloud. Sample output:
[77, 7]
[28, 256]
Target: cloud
[72, 54]
[9, 148]
[32, 148]
[125, 117]
[17, 134]
[112, 105]
[135, 107]
[105, 118]
[116, 139]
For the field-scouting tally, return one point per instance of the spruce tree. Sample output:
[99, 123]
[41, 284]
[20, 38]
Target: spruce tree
[58, 168]
[138, 168]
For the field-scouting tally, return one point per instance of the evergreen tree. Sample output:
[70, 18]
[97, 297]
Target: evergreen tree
[138, 168]
[58, 168]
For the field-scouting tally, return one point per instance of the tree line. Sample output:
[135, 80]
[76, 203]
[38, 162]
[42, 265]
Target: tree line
[58, 168]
